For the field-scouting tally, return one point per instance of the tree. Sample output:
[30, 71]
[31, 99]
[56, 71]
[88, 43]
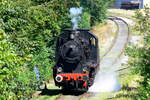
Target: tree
[96, 8]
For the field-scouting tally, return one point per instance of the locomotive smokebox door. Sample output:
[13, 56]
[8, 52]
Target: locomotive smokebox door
[77, 59]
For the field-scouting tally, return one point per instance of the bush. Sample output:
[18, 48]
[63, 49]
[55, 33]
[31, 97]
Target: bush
[27, 36]
[85, 20]
[16, 79]
[140, 55]
[96, 8]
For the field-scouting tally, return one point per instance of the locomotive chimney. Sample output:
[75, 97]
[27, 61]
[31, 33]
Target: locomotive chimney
[74, 34]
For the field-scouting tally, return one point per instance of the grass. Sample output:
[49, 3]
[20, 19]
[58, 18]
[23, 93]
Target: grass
[121, 13]
[45, 98]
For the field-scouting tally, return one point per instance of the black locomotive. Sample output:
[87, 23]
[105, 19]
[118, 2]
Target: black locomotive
[77, 59]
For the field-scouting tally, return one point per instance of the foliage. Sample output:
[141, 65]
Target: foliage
[13, 78]
[96, 8]
[85, 22]
[27, 36]
[140, 55]
[28, 30]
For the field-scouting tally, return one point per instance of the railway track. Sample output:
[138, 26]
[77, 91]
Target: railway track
[110, 58]
[113, 41]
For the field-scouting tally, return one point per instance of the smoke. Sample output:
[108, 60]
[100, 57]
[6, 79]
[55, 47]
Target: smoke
[125, 59]
[75, 15]
[105, 81]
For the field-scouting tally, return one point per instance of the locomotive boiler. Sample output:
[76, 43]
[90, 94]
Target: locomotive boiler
[77, 59]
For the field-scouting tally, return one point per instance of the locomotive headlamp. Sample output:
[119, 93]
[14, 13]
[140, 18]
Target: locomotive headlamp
[59, 69]
[59, 78]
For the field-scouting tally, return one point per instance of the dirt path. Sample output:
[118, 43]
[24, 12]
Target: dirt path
[109, 61]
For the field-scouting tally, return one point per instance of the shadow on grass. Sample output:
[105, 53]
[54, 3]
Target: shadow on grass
[50, 92]
[72, 92]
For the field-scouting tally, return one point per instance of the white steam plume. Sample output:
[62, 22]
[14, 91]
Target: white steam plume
[105, 82]
[75, 15]
[106, 79]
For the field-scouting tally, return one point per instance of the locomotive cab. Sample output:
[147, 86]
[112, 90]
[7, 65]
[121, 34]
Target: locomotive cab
[77, 59]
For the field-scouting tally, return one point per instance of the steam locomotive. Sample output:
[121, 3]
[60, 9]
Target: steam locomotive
[77, 59]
